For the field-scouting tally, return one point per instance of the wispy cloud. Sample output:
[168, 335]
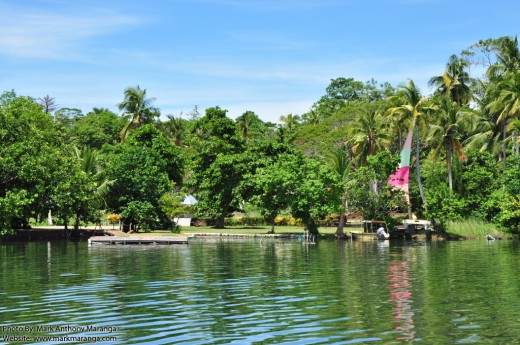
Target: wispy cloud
[33, 32]
[274, 5]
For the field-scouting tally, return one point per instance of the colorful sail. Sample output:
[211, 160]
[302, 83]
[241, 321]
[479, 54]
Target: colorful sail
[400, 178]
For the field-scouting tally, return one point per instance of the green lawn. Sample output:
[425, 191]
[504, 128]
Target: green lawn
[246, 230]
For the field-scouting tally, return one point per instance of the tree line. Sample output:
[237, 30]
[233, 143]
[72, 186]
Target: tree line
[333, 160]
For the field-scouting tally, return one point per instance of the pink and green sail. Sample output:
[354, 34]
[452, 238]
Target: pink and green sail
[400, 178]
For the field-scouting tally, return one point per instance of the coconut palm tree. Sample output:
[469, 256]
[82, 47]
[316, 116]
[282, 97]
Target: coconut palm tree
[415, 107]
[508, 58]
[245, 122]
[174, 129]
[370, 134]
[455, 82]
[445, 134]
[290, 121]
[340, 162]
[92, 167]
[138, 108]
[506, 105]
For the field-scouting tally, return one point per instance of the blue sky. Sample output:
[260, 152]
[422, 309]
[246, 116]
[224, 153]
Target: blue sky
[273, 57]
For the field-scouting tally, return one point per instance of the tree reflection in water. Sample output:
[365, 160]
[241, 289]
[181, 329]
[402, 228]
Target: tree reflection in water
[401, 297]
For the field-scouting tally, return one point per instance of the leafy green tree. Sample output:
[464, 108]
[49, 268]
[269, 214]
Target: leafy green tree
[272, 185]
[171, 204]
[375, 203]
[217, 167]
[138, 108]
[479, 178]
[73, 196]
[144, 169]
[141, 215]
[28, 160]
[345, 91]
[316, 192]
[97, 128]
[67, 117]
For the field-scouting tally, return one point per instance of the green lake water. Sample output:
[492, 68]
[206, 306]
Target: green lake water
[261, 292]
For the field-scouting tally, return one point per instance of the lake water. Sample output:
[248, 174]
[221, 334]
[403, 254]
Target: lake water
[261, 292]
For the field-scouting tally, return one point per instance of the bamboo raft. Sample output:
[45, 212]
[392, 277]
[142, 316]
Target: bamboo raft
[125, 240]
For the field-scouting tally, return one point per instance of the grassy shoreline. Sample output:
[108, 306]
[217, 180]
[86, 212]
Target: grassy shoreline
[466, 229]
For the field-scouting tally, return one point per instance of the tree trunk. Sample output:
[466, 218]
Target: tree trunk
[504, 145]
[272, 226]
[517, 146]
[339, 231]
[418, 166]
[449, 163]
[76, 223]
[219, 223]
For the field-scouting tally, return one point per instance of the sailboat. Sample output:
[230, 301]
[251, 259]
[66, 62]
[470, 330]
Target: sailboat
[400, 180]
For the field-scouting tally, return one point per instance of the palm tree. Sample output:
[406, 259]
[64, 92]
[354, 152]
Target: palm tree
[92, 167]
[339, 160]
[514, 127]
[455, 82]
[445, 133]
[506, 105]
[414, 107]
[369, 135]
[175, 129]
[290, 121]
[48, 104]
[138, 108]
[508, 58]
[245, 122]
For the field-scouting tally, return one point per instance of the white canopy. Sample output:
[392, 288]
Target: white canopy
[189, 200]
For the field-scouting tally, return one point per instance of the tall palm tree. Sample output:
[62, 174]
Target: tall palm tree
[514, 127]
[369, 135]
[138, 108]
[414, 107]
[455, 82]
[245, 122]
[340, 162]
[92, 167]
[48, 104]
[506, 105]
[174, 129]
[290, 121]
[508, 58]
[446, 132]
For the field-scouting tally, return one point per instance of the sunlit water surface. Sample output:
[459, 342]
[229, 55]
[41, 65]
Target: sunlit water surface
[261, 292]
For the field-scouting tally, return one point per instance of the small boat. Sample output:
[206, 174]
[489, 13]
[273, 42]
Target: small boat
[414, 226]
[372, 230]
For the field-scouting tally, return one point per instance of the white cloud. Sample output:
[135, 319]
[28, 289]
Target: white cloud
[30, 32]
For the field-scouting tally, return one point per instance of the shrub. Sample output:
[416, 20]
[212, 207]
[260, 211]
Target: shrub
[113, 218]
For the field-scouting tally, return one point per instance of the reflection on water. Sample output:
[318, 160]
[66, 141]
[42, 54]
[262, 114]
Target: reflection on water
[401, 298]
[265, 292]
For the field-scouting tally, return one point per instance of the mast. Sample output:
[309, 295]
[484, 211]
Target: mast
[400, 179]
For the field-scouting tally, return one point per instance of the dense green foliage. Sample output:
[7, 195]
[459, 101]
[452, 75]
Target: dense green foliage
[334, 159]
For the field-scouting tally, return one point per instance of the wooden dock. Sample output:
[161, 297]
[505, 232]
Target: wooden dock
[129, 240]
